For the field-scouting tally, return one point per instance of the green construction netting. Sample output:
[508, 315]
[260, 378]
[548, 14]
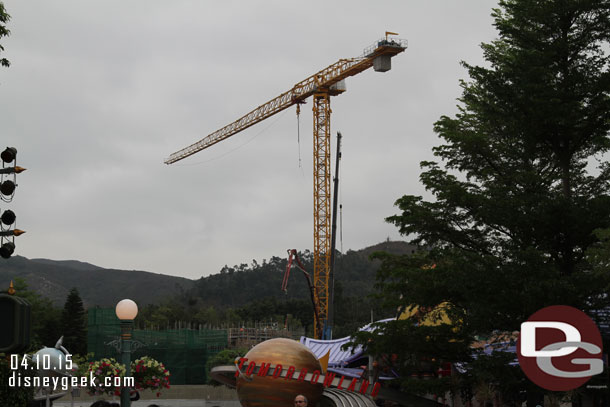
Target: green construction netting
[183, 351]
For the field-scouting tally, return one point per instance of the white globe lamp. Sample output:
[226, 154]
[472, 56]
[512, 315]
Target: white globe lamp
[126, 310]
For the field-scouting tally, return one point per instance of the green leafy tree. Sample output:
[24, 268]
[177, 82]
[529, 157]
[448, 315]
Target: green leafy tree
[4, 32]
[45, 317]
[73, 322]
[225, 357]
[520, 188]
[599, 257]
[354, 312]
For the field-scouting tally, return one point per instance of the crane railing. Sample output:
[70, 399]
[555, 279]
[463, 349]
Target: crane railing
[384, 42]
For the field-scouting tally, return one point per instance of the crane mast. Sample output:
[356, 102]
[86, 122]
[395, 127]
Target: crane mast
[320, 86]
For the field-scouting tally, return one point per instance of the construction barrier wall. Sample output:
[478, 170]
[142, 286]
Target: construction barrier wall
[183, 351]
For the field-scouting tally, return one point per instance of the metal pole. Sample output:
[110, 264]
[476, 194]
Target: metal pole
[328, 334]
[126, 329]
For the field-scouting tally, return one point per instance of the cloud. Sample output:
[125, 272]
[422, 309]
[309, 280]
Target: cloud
[100, 93]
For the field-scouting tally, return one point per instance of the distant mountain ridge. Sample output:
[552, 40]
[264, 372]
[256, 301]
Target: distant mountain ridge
[232, 286]
[75, 264]
[96, 285]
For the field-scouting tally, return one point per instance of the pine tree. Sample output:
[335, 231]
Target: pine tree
[520, 189]
[74, 324]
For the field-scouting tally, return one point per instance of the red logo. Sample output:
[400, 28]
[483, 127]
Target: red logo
[560, 348]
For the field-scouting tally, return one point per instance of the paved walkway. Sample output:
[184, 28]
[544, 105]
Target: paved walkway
[176, 396]
[160, 403]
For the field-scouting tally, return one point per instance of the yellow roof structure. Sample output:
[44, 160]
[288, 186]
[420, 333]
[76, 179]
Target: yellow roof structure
[428, 316]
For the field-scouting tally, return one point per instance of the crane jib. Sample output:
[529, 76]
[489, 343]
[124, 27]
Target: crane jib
[378, 54]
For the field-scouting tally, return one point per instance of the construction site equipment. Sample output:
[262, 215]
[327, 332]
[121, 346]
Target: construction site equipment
[315, 299]
[321, 86]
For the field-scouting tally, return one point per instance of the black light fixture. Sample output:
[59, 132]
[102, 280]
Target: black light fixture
[7, 187]
[7, 250]
[8, 217]
[9, 154]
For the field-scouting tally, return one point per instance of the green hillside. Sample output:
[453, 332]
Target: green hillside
[236, 294]
[97, 286]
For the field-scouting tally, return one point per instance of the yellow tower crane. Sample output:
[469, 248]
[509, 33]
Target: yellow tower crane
[321, 86]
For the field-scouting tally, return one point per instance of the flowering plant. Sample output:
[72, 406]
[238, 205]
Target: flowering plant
[150, 374]
[104, 371]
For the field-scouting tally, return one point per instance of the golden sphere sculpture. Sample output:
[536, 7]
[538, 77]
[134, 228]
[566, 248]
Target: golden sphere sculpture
[279, 392]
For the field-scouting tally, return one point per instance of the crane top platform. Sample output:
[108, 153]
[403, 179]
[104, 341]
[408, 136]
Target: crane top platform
[383, 46]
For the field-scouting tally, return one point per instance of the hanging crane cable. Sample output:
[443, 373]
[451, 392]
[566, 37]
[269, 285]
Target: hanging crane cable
[299, 133]
[263, 130]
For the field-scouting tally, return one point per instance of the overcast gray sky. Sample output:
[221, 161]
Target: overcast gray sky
[100, 93]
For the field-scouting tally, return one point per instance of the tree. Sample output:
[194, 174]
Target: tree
[599, 254]
[516, 196]
[225, 357]
[4, 32]
[73, 322]
[45, 316]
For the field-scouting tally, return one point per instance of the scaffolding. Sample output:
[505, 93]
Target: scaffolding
[247, 336]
